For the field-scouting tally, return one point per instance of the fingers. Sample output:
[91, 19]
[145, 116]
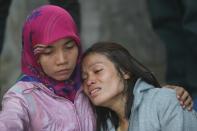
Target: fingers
[180, 92]
[184, 98]
[188, 103]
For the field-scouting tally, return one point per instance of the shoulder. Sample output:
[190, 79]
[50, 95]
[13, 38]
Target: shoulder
[164, 94]
[147, 93]
[20, 86]
[19, 91]
[163, 97]
[15, 98]
[159, 100]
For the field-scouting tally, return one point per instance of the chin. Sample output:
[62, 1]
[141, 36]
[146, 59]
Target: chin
[61, 79]
[96, 103]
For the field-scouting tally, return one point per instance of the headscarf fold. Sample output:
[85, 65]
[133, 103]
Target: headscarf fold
[46, 25]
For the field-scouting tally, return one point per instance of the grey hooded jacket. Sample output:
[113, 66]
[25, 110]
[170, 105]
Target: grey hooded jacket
[158, 109]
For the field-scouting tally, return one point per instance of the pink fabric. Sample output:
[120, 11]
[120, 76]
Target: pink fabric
[33, 107]
[44, 26]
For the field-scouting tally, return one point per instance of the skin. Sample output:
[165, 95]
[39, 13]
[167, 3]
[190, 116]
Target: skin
[104, 86]
[58, 60]
[102, 83]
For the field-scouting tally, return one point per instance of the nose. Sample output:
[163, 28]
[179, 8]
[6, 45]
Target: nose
[90, 80]
[61, 58]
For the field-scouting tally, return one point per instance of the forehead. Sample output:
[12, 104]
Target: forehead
[94, 59]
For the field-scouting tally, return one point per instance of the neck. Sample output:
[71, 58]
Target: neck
[119, 108]
[123, 124]
[118, 105]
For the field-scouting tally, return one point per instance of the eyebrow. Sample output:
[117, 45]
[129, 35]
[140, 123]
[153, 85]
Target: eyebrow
[83, 72]
[99, 62]
[51, 46]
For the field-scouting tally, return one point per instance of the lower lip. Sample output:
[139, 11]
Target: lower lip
[94, 94]
[63, 72]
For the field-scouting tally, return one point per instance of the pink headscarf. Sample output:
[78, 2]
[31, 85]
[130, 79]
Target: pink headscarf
[45, 25]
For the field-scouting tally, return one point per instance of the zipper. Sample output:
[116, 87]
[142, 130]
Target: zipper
[73, 104]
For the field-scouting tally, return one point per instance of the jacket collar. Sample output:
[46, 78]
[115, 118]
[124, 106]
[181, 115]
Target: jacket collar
[139, 89]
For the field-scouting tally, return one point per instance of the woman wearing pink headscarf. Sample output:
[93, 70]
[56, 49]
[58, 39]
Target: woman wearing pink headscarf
[48, 96]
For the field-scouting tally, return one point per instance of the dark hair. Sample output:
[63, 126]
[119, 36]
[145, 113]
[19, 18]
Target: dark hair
[124, 63]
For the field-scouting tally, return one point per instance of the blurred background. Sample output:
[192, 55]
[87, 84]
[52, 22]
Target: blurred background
[124, 21]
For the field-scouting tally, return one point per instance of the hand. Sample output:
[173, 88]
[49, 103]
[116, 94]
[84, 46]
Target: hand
[183, 96]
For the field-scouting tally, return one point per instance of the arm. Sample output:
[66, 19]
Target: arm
[172, 116]
[14, 116]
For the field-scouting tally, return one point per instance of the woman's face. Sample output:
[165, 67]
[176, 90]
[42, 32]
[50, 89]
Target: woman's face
[101, 81]
[58, 60]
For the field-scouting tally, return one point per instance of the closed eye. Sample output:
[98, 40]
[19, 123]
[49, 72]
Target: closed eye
[70, 44]
[48, 50]
[98, 71]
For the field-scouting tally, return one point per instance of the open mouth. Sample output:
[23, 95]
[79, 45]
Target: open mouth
[94, 92]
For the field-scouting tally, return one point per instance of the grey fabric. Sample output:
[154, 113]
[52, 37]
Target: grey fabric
[158, 109]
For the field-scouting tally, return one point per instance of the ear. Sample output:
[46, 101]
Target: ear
[126, 76]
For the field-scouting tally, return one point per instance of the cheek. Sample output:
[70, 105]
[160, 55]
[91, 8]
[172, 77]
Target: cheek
[73, 56]
[115, 85]
[45, 64]
[85, 90]
[44, 67]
